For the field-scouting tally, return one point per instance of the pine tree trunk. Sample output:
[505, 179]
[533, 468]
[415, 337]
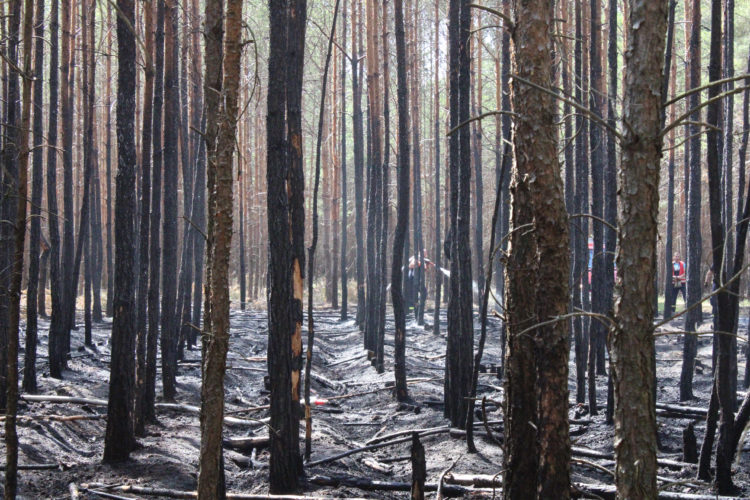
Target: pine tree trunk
[55, 343]
[169, 329]
[283, 306]
[32, 292]
[402, 206]
[693, 237]
[145, 233]
[459, 350]
[119, 441]
[221, 127]
[149, 413]
[21, 149]
[632, 342]
[358, 146]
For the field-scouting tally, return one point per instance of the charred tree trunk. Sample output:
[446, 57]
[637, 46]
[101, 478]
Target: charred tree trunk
[149, 413]
[221, 128]
[632, 342]
[725, 323]
[119, 441]
[438, 165]
[287, 22]
[402, 206]
[145, 214]
[460, 344]
[55, 344]
[693, 237]
[344, 207]
[32, 292]
[21, 149]
[358, 146]
[535, 136]
[169, 227]
[596, 329]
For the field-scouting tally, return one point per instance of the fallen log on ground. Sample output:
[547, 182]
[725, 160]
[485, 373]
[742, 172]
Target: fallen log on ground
[247, 443]
[587, 452]
[169, 493]
[55, 418]
[608, 493]
[36, 398]
[34, 467]
[374, 485]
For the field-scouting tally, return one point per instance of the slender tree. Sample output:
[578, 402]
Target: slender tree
[154, 237]
[32, 292]
[144, 223]
[169, 330]
[119, 441]
[402, 205]
[344, 204]
[693, 236]
[459, 349]
[54, 345]
[287, 22]
[222, 79]
[21, 148]
[358, 147]
[631, 337]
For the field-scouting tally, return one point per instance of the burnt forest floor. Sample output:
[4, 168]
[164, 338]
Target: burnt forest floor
[168, 456]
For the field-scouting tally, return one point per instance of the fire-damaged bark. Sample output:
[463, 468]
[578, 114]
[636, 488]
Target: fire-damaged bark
[460, 343]
[119, 441]
[402, 207]
[286, 234]
[222, 84]
[631, 337]
[537, 170]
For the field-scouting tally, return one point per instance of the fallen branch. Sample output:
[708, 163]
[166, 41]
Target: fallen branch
[164, 492]
[247, 443]
[374, 485]
[34, 467]
[34, 398]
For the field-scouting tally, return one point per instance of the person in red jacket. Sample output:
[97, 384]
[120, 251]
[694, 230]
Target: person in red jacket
[678, 280]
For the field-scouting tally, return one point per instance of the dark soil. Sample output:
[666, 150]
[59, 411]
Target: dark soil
[168, 456]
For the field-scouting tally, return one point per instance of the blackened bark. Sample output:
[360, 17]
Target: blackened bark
[382, 249]
[694, 240]
[631, 338]
[358, 146]
[438, 165]
[598, 306]
[32, 292]
[741, 187]
[108, 158]
[20, 195]
[314, 242]
[119, 441]
[580, 270]
[55, 344]
[169, 330]
[402, 206]
[725, 323]
[460, 345]
[344, 207]
[221, 128]
[149, 413]
[285, 462]
[145, 215]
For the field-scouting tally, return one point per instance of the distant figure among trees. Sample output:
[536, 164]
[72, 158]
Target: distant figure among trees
[678, 280]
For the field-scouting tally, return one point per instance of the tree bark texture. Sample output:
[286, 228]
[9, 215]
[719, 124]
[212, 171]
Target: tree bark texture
[632, 342]
[119, 441]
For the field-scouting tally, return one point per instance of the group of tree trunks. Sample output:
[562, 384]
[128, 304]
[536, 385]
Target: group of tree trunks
[541, 224]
